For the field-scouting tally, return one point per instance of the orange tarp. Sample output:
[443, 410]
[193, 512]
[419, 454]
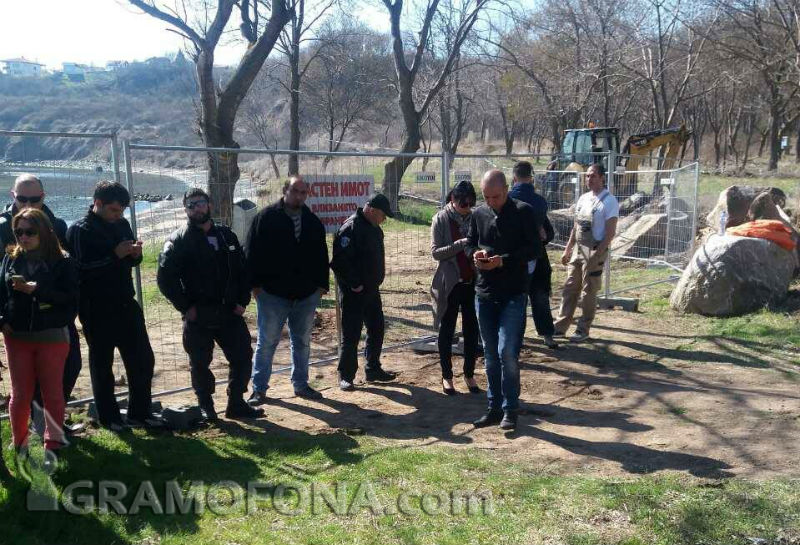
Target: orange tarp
[773, 230]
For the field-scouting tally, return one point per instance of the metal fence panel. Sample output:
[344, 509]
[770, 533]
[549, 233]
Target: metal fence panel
[409, 266]
[68, 187]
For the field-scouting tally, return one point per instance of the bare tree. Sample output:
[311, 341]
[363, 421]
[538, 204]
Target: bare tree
[218, 107]
[408, 91]
[294, 36]
[350, 81]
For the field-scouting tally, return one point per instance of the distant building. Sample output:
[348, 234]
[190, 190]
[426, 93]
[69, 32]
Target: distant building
[22, 67]
[115, 65]
[73, 69]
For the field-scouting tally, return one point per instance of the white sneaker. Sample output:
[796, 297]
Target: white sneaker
[579, 336]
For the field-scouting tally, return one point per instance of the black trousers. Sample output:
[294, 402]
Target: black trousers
[540, 307]
[360, 309]
[461, 297]
[234, 339]
[121, 327]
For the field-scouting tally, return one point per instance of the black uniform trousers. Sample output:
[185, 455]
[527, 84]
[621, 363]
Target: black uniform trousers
[539, 293]
[122, 327]
[360, 309]
[234, 339]
[462, 297]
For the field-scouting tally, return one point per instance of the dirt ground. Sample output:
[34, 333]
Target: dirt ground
[646, 395]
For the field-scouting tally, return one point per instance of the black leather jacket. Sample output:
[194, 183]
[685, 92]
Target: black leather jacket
[358, 255]
[190, 273]
[53, 304]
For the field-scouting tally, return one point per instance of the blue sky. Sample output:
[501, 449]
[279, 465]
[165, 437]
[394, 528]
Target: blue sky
[96, 31]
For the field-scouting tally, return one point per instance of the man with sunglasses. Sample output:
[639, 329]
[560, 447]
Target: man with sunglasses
[287, 258]
[28, 192]
[103, 245]
[201, 272]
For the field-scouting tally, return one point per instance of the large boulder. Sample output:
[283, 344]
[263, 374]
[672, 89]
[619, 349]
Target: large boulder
[732, 275]
[736, 201]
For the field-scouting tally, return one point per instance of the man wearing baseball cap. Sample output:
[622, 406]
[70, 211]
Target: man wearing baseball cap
[358, 263]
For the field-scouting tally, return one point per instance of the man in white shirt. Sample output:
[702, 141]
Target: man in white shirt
[596, 215]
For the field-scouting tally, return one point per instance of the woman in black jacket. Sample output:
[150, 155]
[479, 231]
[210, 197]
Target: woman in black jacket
[38, 299]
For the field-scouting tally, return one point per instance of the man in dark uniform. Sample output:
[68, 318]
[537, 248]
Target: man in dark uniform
[201, 272]
[28, 192]
[539, 269]
[358, 263]
[104, 248]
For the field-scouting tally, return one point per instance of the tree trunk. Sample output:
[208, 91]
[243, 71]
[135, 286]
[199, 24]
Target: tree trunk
[394, 170]
[797, 146]
[223, 173]
[294, 109]
[774, 136]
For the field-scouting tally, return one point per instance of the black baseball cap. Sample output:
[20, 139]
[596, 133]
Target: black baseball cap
[380, 202]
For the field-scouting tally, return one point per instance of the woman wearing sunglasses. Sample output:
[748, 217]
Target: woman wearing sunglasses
[453, 286]
[38, 299]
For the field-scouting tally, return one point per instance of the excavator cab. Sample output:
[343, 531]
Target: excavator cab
[584, 146]
[579, 149]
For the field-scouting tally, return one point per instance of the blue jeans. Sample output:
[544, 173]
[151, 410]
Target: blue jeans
[273, 312]
[502, 326]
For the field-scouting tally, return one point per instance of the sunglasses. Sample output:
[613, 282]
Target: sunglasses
[27, 232]
[32, 200]
[465, 202]
[195, 204]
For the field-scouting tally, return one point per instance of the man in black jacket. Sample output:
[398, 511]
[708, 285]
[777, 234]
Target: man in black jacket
[104, 248]
[201, 272]
[28, 192]
[287, 259]
[503, 238]
[358, 262]
[539, 269]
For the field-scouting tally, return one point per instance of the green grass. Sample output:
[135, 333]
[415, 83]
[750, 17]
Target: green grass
[773, 328]
[712, 184]
[527, 506]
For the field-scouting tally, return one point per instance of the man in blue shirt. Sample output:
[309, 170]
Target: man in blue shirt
[539, 269]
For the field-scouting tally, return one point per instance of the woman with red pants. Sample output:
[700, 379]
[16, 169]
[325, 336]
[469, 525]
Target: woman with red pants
[38, 298]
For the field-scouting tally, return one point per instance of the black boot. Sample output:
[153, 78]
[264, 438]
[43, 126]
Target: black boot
[491, 418]
[240, 409]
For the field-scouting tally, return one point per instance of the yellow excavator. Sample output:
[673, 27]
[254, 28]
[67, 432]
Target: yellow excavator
[582, 147]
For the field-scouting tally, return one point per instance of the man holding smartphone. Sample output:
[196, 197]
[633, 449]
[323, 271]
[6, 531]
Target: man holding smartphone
[503, 238]
[103, 245]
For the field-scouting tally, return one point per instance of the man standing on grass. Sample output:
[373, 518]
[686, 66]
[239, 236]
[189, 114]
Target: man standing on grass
[106, 252]
[596, 215]
[201, 272]
[503, 238]
[358, 262]
[287, 259]
[539, 269]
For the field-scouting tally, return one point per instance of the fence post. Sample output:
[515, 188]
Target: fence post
[694, 206]
[611, 171]
[115, 155]
[445, 176]
[670, 183]
[130, 186]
